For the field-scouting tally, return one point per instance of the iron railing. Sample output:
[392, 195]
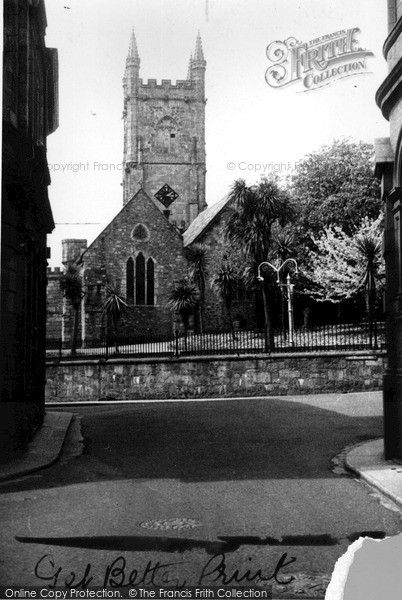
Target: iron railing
[348, 337]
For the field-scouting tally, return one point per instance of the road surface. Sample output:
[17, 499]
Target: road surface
[198, 493]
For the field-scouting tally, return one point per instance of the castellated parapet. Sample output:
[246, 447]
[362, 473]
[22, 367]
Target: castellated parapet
[54, 271]
[180, 84]
[164, 137]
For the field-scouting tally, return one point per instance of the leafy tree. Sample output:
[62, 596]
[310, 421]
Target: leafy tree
[71, 286]
[197, 256]
[183, 299]
[250, 228]
[114, 306]
[225, 283]
[335, 186]
[343, 266]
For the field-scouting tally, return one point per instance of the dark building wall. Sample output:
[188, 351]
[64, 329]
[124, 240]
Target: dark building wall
[29, 115]
[389, 168]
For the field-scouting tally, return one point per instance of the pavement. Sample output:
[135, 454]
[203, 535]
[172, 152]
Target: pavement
[44, 449]
[365, 460]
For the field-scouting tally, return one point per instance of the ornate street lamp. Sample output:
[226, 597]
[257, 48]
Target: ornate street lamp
[288, 287]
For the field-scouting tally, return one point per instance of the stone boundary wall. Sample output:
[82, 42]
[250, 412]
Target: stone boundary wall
[275, 375]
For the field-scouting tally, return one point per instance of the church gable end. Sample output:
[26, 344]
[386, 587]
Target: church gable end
[140, 253]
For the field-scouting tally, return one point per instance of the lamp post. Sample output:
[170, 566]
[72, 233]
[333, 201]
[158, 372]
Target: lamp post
[288, 286]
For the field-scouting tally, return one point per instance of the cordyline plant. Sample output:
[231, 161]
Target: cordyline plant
[114, 306]
[225, 283]
[71, 286]
[183, 299]
[197, 257]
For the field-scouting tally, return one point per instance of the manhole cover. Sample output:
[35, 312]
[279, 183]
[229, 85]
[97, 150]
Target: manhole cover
[169, 524]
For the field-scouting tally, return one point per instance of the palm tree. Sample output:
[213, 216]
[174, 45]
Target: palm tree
[197, 256]
[225, 283]
[284, 245]
[183, 299]
[250, 226]
[71, 286]
[114, 306]
[370, 250]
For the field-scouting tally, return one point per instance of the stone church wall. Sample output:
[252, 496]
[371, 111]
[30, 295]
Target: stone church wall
[243, 307]
[105, 262]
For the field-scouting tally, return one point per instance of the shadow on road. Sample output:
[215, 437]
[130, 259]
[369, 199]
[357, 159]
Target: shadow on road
[223, 544]
[209, 441]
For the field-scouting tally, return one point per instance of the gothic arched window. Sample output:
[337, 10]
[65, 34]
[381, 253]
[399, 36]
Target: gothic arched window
[140, 279]
[130, 280]
[150, 282]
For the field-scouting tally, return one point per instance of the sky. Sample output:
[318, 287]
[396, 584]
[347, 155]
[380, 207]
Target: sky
[249, 124]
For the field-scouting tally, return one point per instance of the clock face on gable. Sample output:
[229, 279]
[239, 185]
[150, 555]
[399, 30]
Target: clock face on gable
[166, 195]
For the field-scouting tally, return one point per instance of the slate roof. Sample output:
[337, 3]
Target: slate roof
[203, 220]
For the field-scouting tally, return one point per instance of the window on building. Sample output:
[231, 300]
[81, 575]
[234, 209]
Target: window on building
[140, 280]
[130, 280]
[166, 135]
[150, 282]
[140, 233]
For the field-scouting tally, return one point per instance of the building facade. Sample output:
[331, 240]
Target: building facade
[142, 252]
[389, 169]
[164, 138]
[140, 255]
[30, 99]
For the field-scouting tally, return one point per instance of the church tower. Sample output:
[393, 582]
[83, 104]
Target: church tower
[164, 138]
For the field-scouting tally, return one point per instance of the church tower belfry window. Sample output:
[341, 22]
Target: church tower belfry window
[166, 135]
